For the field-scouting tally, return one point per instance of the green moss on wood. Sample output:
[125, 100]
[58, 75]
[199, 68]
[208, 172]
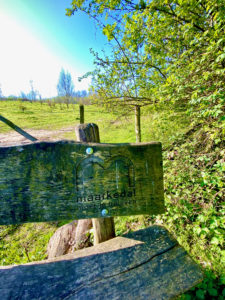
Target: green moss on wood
[60, 180]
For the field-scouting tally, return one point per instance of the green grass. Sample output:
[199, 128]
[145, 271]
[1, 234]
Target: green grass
[47, 115]
[156, 126]
[24, 243]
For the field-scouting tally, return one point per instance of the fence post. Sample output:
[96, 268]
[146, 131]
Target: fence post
[81, 107]
[104, 228]
[137, 111]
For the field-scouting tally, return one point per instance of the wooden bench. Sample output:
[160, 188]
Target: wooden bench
[47, 181]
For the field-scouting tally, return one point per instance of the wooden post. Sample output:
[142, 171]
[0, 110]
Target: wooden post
[81, 113]
[104, 228]
[137, 111]
[18, 129]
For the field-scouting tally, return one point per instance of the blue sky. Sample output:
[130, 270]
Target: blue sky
[37, 40]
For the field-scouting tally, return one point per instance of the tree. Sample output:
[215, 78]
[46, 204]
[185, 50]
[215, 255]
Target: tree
[23, 95]
[83, 93]
[125, 78]
[33, 94]
[180, 45]
[121, 86]
[65, 84]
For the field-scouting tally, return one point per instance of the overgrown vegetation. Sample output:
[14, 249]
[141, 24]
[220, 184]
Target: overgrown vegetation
[195, 191]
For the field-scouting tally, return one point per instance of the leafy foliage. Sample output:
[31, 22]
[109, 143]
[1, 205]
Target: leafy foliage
[195, 191]
[173, 49]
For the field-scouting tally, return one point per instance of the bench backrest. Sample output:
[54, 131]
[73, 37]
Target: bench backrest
[51, 181]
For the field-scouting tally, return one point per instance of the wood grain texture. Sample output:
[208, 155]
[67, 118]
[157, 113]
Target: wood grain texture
[58, 180]
[147, 264]
[104, 228]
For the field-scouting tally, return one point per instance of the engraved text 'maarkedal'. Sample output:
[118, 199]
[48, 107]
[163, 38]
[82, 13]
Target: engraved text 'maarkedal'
[107, 196]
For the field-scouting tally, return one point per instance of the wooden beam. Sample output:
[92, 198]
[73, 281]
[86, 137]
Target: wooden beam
[18, 129]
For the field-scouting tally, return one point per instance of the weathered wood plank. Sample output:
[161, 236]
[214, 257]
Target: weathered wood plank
[67, 180]
[147, 264]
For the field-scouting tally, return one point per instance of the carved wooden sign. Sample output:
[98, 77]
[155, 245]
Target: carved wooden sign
[68, 180]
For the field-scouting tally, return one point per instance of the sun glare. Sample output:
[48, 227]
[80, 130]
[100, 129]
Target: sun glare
[23, 58]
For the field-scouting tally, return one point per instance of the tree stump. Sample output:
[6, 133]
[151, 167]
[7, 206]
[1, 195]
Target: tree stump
[82, 238]
[62, 240]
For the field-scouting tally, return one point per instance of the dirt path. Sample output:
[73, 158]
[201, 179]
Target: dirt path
[13, 138]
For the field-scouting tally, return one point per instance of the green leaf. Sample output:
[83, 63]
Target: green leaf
[212, 292]
[200, 294]
[223, 292]
[214, 241]
[220, 57]
[222, 279]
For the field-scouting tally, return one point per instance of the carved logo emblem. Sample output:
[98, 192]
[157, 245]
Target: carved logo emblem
[98, 180]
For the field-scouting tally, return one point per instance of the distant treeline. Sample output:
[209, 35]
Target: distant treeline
[79, 98]
[77, 94]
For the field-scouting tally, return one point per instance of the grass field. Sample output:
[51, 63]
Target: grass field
[114, 128]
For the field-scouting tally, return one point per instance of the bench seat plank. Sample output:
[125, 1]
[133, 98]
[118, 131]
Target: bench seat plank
[146, 264]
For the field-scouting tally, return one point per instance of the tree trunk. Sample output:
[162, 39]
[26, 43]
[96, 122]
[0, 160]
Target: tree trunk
[103, 228]
[137, 111]
[81, 107]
